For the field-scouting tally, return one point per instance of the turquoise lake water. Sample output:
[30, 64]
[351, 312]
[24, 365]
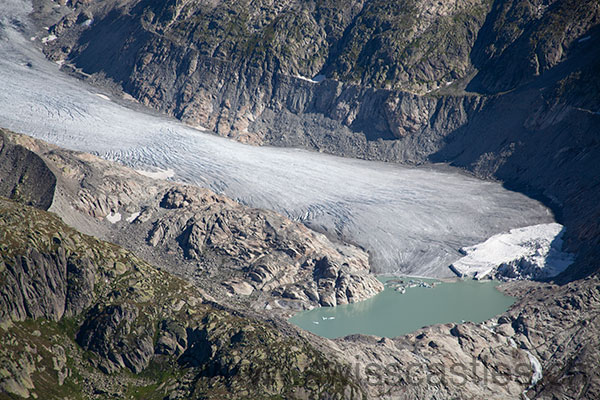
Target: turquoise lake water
[392, 313]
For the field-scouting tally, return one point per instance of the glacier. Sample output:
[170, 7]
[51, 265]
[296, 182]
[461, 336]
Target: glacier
[412, 220]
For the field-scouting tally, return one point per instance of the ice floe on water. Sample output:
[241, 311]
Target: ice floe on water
[532, 252]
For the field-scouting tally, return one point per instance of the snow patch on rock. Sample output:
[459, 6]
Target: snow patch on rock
[533, 252]
[537, 369]
[113, 218]
[49, 38]
[132, 217]
[102, 96]
[316, 79]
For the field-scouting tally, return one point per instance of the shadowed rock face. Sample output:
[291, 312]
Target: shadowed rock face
[24, 176]
[522, 39]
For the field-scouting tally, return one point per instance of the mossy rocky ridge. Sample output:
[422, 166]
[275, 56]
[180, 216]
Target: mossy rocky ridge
[71, 304]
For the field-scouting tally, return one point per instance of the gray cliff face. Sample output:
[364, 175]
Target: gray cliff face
[256, 102]
[548, 147]
[399, 44]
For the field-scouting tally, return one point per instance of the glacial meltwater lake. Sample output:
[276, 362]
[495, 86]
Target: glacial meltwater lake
[393, 313]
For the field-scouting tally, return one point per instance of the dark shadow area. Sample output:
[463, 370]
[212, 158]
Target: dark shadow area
[546, 146]
[506, 45]
[110, 45]
[24, 176]
[198, 350]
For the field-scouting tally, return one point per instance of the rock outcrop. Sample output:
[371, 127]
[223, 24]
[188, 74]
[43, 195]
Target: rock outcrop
[72, 307]
[24, 176]
[274, 254]
[205, 237]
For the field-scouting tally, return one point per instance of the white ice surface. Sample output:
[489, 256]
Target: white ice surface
[133, 217]
[533, 251]
[412, 220]
[113, 218]
[160, 174]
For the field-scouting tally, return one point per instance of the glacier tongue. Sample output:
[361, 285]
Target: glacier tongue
[533, 252]
[411, 220]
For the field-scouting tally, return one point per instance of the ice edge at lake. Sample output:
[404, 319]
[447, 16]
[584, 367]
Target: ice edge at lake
[532, 252]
